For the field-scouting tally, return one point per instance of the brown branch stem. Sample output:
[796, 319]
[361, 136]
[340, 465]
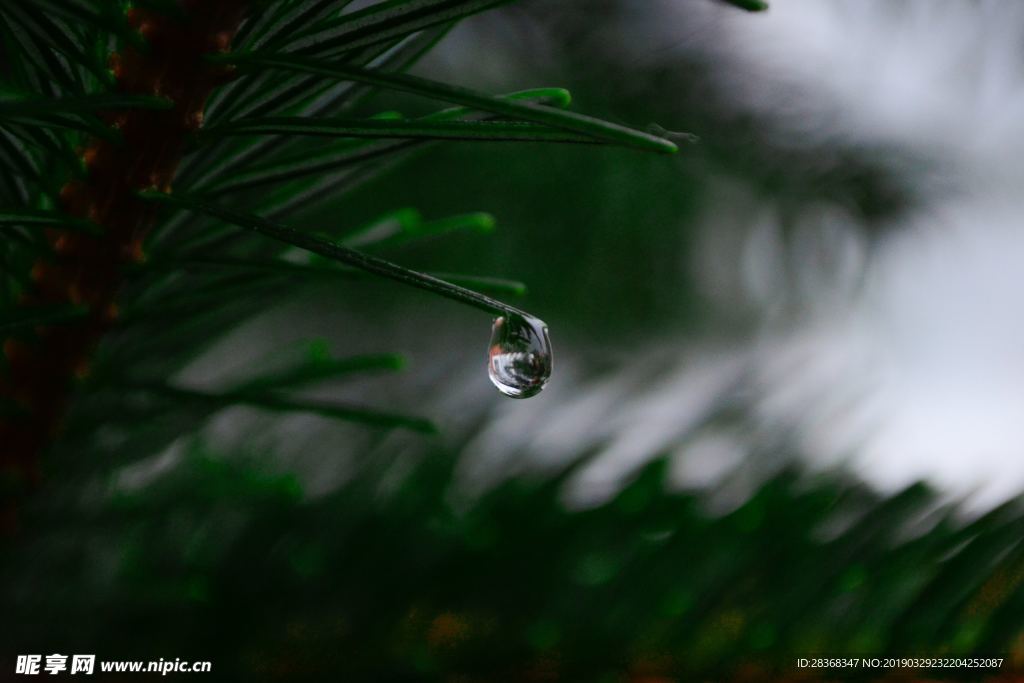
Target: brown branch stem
[87, 270]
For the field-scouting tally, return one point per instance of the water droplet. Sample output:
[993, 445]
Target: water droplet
[519, 358]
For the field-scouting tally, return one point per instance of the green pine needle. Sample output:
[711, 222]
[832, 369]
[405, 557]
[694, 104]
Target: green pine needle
[276, 403]
[336, 252]
[525, 111]
[382, 129]
[49, 219]
[28, 319]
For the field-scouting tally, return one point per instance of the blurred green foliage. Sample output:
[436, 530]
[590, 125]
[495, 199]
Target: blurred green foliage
[399, 577]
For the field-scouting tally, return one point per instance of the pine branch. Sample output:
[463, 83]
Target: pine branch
[92, 151]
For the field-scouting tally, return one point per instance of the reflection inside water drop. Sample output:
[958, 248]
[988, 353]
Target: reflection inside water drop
[520, 359]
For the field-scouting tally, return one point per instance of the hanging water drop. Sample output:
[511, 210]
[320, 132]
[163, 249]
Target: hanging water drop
[519, 358]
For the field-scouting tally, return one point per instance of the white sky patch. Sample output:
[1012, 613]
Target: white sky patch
[921, 375]
[943, 77]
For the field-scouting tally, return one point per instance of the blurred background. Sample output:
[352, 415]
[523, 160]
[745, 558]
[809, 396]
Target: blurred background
[785, 416]
[837, 258]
